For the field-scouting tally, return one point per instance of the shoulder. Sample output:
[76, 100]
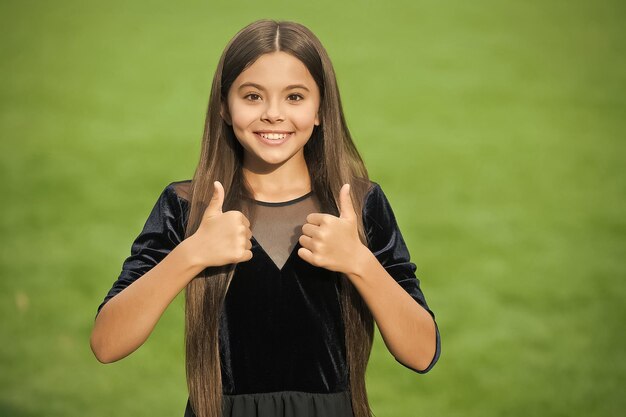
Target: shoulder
[363, 187]
[171, 210]
[378, 216]
[374, 198]
[172, 202]
[179, 189]
[373, 190]
[371, 195]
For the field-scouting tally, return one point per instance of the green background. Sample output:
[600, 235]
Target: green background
[495, 129]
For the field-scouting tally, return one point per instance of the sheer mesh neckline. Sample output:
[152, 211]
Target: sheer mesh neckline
[182, 191]
[280, 203]
[277, 226]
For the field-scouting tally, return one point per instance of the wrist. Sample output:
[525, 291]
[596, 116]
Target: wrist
[360, 262]
[188, 250]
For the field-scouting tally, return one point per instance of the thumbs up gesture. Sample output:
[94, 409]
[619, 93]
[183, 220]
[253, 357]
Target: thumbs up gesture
[221, 238]
[331, 242]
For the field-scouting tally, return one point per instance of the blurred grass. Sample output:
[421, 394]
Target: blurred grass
[495, 128]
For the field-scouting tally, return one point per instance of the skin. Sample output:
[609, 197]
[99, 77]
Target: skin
[276, 173]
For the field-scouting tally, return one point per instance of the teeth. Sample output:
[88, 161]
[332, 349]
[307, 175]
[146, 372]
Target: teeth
[274, 136]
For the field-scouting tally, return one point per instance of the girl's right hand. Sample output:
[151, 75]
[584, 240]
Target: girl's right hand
[221, 238]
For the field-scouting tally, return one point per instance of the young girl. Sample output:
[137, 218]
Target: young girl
[287, 251]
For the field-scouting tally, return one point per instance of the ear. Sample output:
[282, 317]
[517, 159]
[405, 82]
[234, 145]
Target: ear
[225, 114]
[317, 119]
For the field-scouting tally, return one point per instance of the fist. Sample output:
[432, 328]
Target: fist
[221, 238]
[332, 242]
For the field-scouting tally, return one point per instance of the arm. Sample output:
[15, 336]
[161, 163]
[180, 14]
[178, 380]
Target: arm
[385, 277]
[161, 264]
[156, 270]
[115, 335]
[408, 330]
[381, 272]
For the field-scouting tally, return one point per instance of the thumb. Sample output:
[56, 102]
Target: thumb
[215, 205]
[346, 209]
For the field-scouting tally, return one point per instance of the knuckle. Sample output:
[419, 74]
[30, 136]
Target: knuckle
[322, 249]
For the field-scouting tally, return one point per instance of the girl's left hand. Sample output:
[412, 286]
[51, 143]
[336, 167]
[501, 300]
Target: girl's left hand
[332, 242]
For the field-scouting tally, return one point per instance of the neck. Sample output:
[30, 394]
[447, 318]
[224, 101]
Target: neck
[280, 182]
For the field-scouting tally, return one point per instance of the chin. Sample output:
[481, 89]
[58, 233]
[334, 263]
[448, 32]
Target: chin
[274, 161]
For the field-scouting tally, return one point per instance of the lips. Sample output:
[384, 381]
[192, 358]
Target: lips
[273, 138]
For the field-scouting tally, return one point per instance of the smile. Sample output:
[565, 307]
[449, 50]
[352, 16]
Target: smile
[273, 139]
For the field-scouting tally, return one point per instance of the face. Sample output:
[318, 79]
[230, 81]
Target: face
[273, 107]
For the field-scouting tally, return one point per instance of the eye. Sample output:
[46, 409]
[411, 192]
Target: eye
[298, 97]
[251, 95]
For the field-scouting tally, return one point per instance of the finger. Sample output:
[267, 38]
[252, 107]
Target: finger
[247, 256]
[346, 209]
[307, 255]
[317, 218]
[217, 200]
[306, 242]
[311, 230]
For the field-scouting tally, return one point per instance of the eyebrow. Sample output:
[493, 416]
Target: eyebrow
[289, 87]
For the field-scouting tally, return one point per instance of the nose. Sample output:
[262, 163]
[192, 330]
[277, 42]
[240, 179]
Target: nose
[272, 112]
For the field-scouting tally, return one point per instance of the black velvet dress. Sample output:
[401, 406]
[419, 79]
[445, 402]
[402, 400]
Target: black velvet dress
[281, 334]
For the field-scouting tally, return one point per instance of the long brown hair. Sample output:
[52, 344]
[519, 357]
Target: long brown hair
[332, 160]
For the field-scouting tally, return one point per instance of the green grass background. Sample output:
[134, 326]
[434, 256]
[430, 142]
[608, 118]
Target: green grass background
[495, 128]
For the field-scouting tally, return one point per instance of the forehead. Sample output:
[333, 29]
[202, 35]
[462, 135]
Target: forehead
[275, 70]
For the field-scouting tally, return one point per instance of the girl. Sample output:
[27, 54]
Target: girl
[288, 253]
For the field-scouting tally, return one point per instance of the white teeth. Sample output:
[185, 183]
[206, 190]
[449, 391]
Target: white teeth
[274, 136]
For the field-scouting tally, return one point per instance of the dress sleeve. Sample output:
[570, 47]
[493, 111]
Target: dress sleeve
[162, 232]
[387, 244]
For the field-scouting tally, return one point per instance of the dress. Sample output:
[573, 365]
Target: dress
[281, 335]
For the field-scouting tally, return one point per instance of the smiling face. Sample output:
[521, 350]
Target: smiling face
[273, 107]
